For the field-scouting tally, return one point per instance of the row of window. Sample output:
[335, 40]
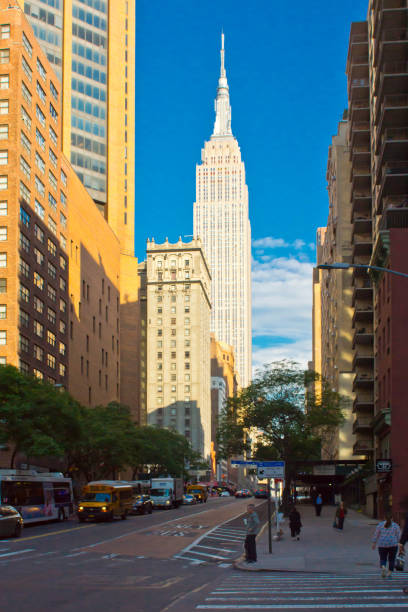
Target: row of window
[98, 5]
[84, 88]
[88, 53]
[90, 73]
[89, 35]
[88, 162]
[88, 126]
[88, 144]
[85, 106]
[90, 18]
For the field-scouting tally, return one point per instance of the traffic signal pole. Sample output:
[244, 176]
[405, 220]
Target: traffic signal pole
[269, 517]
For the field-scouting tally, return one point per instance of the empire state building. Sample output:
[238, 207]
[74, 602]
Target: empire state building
[221, 220]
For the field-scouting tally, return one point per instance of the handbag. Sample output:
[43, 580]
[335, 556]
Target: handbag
[399, 562]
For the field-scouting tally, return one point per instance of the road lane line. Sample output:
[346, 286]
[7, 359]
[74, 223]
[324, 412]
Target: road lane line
[45, 535]
[219, 549]
[18, 552]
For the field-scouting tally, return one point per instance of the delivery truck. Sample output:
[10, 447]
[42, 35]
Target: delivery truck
[167, 492]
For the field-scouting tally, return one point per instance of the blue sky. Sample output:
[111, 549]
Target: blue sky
[286, 72]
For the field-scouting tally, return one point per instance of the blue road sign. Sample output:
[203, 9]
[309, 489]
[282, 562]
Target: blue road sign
[274, 464]
[242, 462]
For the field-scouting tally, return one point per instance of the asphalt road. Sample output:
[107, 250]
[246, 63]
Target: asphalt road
[148, 563]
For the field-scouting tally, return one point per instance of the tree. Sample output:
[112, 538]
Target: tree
[35, 417]
[288, 420]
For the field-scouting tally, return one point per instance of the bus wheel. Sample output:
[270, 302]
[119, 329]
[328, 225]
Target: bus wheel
[61, 514]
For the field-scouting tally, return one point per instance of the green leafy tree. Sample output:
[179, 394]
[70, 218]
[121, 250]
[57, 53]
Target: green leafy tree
[289, 421]
[36, 418]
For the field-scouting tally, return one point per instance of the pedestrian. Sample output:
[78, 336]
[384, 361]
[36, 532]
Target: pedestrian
[386, 537]
[295, 523]
[340, 516]
[318, 504]
[252, 529]
[402, 542]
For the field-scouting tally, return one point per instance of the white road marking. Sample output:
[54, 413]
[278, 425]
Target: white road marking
[285, 598]
[76, 554]
[197, 552]
[352, 606]
[18, 552]
[219, 549]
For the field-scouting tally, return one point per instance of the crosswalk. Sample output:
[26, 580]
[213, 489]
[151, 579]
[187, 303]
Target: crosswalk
[221, 545]
[247, 591]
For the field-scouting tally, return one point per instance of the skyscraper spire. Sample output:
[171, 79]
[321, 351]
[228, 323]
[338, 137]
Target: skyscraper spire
[222, 125]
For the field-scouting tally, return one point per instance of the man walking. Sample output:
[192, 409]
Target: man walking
[318, 504]
[252, 529]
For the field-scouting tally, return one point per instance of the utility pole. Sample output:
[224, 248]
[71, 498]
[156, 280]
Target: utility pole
[269, 517]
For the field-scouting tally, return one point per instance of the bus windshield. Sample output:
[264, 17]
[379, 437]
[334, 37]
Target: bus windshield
[160, 492]
[99, 497]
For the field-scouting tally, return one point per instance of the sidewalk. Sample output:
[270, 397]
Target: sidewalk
[321, 547]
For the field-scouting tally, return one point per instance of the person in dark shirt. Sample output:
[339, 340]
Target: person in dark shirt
[295, 523]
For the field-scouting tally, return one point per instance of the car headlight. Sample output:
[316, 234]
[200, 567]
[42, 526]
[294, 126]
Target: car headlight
[80, 508]
[167, 502]
[104, 508]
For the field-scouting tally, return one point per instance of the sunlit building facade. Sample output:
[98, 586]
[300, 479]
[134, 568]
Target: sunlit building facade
[221, 221]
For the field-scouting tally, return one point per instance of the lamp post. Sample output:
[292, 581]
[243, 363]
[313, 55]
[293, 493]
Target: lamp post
[346, 266]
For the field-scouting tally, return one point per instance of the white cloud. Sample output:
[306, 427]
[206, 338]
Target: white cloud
[282, 309]
[299, 244]
[270, 243]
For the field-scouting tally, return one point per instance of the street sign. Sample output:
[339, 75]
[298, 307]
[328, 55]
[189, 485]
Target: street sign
[271, 469]
[241, 462]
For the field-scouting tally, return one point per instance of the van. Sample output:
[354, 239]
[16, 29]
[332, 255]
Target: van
[199, 491]
[105, 500]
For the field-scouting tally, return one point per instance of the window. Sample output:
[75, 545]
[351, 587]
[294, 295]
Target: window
[53, 135]
[63, 284]
[24, 268]
[39, 138]
[24, 243]
[53, 157]
[25, 193]
[51, 361]
[54, 91]
[38, 233]
[52, 247]
[51, 339]
[63, 242]
[3, 311]
[27, 46]
[38, 281]
[38, 305]
[3, 260]
[41, 70]
[38, 329]
[3, 157]
[25, 167]
[39, 185]
[3, 234]
[62, 348]
[4, 56]
[27, 70]
[63, 263]
[3, 209]
[186, 366]
[63, 220]
[62, 327]
[4, 81]
[52, 225]
[38, 374]
[3, 182]
[62, 369]
[26, 94]
[3, 132]
[40, 92]
[39, 209]
[53, 180]
[52, 201]
[52, 270]
[53, 113]
[40, 115]
[38, 353]
[63, 198]
[63, 178]
[51, 315]
[63, 306]
[24, 318]
[25, 143]
[52, 294]
[4, 107]
[24, 293]
[24, 344]
[5, 31]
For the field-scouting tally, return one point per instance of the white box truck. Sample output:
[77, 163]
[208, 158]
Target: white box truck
[167, 492]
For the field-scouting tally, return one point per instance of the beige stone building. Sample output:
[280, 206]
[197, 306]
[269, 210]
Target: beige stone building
[336, 294]
[175, 340]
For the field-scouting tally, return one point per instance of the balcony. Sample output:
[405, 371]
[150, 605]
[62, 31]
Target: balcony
[392, 111]
[364, 403]
[360, 111]
[360, 176]
[363, 357]
[363, 380]
[393, 145]
[382, 421]
[359, 134]
[362, 424]
[361, 225]
[391, 45]
[358, 48]
[360, 155]
[394, 178]
[363, 447]
[362, 294]
[363, 336]
[394, 218]
[362, 245]
[392, 79]
[392, 203]
[388, 14]
[362, 315]
[360, 203]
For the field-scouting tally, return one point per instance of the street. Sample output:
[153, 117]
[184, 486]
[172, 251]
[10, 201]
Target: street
[147, 562]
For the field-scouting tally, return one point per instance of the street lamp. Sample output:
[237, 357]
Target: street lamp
[346, 266]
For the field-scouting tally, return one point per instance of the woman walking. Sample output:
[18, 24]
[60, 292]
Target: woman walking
[386, 537]
[340, 515]
[295, 523]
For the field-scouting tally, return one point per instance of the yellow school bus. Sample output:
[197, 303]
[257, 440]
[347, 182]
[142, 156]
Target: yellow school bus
[200, 492]
[105, 500]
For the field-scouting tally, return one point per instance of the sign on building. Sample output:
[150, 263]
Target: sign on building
[383, 466]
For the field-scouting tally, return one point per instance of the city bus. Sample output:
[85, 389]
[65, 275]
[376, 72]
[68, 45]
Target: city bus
[38, 496]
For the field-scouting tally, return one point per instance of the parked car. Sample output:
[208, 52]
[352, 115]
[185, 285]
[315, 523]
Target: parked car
[11, 522]
[225, 494]
[189, 499]
[142, 505]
